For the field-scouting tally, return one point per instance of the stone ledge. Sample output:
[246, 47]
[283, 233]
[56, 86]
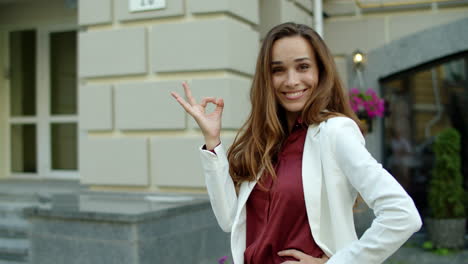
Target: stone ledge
[122, 229]
[124, 215]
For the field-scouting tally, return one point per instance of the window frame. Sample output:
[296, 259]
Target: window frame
[43, 118]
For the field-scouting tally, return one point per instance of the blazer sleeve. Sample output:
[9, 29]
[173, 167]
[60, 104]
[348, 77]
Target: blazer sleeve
[396, 215]
[220, 186]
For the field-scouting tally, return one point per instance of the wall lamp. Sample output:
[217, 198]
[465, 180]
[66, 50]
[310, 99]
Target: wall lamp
[359, 59]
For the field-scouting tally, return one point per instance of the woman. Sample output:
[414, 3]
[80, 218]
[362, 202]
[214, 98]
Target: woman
[287, 186]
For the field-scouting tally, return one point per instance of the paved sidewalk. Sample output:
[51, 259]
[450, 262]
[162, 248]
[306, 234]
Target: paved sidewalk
[413, 253]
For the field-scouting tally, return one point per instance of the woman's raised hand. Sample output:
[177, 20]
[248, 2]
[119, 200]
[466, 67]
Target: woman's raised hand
[209, 123]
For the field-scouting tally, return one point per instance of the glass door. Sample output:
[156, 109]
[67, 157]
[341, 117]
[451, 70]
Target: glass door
[422, 102]
[43, 103]
[23, 107]
[62, 118]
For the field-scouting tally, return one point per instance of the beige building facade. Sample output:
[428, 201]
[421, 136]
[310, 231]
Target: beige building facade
[85, 85]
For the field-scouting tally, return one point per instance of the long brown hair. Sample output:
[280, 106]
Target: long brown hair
[260, 138]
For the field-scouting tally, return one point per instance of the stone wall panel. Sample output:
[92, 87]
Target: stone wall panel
[235, 93]
[91, 12]
[148, 106]
[95, 107]
[216, 44]
[246, 9]
[175, 161]
[344, 36]
[114, 161]
[113, 52]
[404, 25]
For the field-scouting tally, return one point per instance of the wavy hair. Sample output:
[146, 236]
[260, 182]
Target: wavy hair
[259, 140]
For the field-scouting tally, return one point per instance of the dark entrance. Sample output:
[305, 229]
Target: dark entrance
[423, 101]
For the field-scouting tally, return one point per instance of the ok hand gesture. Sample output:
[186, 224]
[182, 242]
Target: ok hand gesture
[209, 123]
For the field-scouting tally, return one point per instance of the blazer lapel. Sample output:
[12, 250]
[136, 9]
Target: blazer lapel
[244, 193]
[312, 181]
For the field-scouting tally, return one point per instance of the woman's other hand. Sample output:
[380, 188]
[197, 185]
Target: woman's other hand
[302, 257]
[209, 123]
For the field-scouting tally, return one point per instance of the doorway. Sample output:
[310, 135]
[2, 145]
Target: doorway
[422, 102]
[42, 115]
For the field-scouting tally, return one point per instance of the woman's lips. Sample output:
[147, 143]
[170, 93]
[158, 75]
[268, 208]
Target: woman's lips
[294, 95]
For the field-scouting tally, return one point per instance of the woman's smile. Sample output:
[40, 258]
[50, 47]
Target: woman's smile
[294, 95]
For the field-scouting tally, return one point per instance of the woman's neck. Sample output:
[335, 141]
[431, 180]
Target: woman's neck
[291, 118]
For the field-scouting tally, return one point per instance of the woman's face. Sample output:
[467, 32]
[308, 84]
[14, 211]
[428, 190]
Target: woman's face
[294, 73]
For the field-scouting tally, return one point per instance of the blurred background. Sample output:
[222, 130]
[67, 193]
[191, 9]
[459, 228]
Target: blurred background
[99, 164]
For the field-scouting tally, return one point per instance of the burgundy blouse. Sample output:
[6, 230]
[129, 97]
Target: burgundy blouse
[277, 217]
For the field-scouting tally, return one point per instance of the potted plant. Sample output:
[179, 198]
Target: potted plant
[446, 225]
[367, 105]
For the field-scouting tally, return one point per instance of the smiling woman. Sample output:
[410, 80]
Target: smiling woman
[287, 186]
[294, 74]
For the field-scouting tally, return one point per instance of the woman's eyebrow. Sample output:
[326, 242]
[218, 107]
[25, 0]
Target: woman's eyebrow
[296, 60]
[302, 59]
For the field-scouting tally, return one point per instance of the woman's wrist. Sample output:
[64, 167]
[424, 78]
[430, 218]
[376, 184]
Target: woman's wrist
[212, 143]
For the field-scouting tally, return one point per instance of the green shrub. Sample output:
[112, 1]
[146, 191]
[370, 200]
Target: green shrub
[446, 194]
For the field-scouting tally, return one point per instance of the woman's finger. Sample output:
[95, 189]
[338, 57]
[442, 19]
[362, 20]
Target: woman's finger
[293, 253]
[290, 262]
[182, 102]
[219, 105]
[207, 100]
[188, 94]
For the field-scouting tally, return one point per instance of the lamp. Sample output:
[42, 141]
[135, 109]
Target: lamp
[359, 59]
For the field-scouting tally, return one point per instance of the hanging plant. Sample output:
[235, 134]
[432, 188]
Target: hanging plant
[367, 105]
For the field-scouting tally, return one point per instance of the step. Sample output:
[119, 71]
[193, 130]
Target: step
[18, 197]
[14, 249]
[14, 228]
[12, 262]
[13, 209]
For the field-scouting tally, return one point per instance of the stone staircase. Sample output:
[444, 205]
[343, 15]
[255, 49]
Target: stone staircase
[15, 195]
[14, 228]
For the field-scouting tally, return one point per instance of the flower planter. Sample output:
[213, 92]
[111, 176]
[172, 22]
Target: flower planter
[367, 105]
[447, 233]
[366, 121]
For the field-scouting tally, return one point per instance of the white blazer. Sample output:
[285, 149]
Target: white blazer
[336, 166]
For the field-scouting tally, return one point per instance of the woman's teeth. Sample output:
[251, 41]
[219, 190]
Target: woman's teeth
[294, 95]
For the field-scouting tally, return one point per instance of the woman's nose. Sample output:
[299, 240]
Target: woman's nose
[292, 79]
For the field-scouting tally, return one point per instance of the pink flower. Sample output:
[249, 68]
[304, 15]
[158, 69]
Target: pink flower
[354, 91]
[367, 103]
[222, 260]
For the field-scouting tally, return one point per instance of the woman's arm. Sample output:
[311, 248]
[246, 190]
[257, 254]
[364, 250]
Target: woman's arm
[220, 186]
[215, 165]
[396, 215]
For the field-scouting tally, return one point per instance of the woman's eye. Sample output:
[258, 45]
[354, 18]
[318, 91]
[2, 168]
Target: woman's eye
[276, 70]
[304, 66]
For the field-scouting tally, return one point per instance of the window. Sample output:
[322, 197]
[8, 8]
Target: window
[422, 102]
[43, 103]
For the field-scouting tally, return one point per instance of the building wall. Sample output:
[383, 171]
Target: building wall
[21, 14]
[347, 29]
[3, 110]
[409, 52]
[350, 28]
[136, 135]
